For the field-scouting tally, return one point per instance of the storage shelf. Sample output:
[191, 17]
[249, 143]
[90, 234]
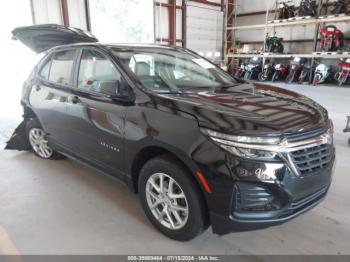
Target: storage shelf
[323, 55]
[294, 22]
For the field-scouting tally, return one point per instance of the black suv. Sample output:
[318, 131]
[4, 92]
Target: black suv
[199, 147]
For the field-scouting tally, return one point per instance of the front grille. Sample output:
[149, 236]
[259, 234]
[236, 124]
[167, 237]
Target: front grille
[312, 159]
[306, 135]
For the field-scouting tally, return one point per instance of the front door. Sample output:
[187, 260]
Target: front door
[97, 122]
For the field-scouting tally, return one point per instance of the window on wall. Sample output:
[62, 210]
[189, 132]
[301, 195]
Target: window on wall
[122, 21]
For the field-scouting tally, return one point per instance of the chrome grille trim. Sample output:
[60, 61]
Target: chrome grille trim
[312, 159]
[284, 146]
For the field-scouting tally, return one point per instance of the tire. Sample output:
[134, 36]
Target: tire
[36, 134]
[280, 48]
[316, 80]
[262, 77]
[248, 75]
[290, 78]
[339, 78]
[301, 78]
[196, 220]
[275, 77]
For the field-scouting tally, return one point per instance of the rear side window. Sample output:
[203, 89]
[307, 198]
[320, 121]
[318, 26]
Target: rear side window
[61, 67]
[45, 70]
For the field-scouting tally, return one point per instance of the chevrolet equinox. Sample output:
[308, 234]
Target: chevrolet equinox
[198, 146]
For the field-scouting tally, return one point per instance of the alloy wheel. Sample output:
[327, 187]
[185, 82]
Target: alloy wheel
[167, 201]
[39, 143]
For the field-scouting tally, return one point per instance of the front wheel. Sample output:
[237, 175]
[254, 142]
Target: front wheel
[171, 199]
[275, 76]
[302, 77]
[340, 78]
[262, 76]
[248, 75]
[290, 78]
[317, 79]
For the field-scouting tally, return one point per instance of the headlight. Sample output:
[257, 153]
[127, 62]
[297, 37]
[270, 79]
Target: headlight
[259, 148]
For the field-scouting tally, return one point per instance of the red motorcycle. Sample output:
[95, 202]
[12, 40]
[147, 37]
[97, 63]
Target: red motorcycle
[331, 38]
[343, 75]
[281, 71]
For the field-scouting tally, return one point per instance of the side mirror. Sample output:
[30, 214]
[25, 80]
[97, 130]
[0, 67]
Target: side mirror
[121, 89]
[116, 90]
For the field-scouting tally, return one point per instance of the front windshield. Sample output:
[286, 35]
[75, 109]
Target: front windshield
[169, 70]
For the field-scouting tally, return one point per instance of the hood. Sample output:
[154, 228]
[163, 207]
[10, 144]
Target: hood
[41, 38]
[250, 109]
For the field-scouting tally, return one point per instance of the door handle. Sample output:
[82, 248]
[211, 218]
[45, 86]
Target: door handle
[75, 99]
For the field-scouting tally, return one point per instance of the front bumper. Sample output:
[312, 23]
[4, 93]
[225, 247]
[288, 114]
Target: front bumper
[241, 200]
[259, 220]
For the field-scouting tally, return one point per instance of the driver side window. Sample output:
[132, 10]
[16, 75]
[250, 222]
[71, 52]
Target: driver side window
[97, 73]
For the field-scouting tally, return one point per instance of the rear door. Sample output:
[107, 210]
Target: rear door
[96, 122]
[49, 95]
[41, 38]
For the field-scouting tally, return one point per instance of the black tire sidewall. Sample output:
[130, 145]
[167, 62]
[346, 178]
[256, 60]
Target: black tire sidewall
[196, 218]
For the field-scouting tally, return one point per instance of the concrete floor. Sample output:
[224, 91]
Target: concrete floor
[62, 207]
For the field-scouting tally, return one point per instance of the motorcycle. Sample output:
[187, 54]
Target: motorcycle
[322, 73]
[307, 8]
[332, 39]
[341, 7]
[284, 10]
[343, 75]
[267, 72]
[281, 71]
[295, 69]
[241, 71]
[253, 69]
[274, 44]
[305, 74]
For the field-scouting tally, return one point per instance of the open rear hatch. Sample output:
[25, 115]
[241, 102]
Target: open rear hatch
[41, 38]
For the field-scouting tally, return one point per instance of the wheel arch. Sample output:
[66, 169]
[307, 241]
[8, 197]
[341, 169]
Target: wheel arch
[149, 152]
[29, 113]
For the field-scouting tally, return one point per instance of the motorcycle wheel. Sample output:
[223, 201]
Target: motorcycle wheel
[317, 79]
[248, 76]
[280, 48]
[328, 47]
[290, 78]
[262, 77]
[275, 77]
[302, 78]
[340, 79]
